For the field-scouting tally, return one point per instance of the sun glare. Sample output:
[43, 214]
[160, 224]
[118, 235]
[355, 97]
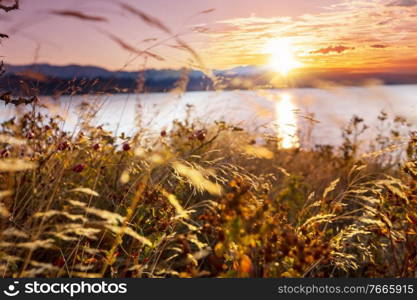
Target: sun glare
[286, 122]
[282, 58]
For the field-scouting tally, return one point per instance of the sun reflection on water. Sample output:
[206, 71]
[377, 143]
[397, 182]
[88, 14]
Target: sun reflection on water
[285, 111]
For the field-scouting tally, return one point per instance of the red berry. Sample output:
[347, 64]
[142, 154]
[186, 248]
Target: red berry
[96, 147]
[30, 135]
[4, 153]
[126, 147]
[63, 146]
[78, 168]
[59, 262]
[163, 133]
[200, 135]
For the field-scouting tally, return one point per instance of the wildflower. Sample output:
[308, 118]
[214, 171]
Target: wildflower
[63, 146]
[126, 147]
[200, 135]
[59, 262]
[30, 135]
[78, 168]
[4, 153]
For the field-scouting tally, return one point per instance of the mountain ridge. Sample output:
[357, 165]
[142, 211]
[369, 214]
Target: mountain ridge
[47, 78]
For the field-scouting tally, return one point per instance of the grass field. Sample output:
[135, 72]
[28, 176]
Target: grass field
[200, 200]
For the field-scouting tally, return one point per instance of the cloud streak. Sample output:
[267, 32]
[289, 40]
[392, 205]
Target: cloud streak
[332, 49]
[404, 3]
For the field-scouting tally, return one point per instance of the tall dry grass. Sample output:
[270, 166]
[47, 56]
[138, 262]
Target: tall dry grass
[200, 200]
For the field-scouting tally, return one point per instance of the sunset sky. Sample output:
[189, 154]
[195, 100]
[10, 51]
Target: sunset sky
[362, 35]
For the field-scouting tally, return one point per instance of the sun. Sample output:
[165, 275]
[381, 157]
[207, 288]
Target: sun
[282, 57]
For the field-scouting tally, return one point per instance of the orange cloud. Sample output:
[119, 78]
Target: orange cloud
[379, 46]
[332, 49]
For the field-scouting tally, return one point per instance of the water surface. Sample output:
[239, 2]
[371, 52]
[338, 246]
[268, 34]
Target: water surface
[281, 111]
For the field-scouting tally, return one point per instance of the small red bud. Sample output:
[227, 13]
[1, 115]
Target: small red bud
[200, 135]
[63, 146]
[4, 153]
[59, 262]
[30, 135]
[126, 147]
[78, 168]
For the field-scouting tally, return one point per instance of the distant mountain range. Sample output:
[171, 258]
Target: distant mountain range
[91, 72]
[76, 79]
[78, 71]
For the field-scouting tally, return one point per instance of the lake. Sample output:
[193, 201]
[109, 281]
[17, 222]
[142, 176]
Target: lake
[280, 111]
